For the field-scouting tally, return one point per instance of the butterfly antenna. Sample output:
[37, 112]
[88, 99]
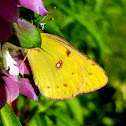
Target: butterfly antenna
[46, 16]
[49, 20]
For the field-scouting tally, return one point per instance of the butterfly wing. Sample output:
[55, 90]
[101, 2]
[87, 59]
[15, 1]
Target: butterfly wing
[56, 71]
[95, 76]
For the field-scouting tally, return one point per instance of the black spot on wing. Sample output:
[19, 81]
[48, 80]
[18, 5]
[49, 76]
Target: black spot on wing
[93, 64]
[90, 73]
[65, 85]
[48, 87]
[68, 52]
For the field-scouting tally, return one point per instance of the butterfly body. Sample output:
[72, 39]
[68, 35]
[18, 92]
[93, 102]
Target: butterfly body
[60, 71]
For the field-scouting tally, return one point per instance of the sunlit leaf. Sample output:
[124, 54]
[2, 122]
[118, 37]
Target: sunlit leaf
[8, 117]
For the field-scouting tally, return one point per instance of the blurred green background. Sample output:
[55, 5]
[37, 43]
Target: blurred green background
[97, 28]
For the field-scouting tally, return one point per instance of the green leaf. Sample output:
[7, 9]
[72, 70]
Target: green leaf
[39, 120]
[21, 102]
[8, 117]
[61, 119]
[76, 113]
[107, 121]
[72, 5]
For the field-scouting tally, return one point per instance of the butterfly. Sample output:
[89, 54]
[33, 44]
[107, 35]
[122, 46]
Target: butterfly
[60, 71]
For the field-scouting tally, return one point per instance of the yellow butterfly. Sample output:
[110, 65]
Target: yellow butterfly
[60, 71]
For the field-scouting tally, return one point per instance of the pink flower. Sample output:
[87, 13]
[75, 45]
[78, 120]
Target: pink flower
[10, 89]
[10, 84]
[9, 13]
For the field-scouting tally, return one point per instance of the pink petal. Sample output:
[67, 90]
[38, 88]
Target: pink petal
[35, 5]
[12, 87]
[9, 10]
[4, 94]
[24, 67]
[5, 30]
[14, 78]
[42, 10]
[26, 88]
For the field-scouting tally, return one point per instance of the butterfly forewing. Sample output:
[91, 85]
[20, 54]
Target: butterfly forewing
[95, 76]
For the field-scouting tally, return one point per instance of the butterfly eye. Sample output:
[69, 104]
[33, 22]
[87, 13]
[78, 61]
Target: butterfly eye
[42, 25]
